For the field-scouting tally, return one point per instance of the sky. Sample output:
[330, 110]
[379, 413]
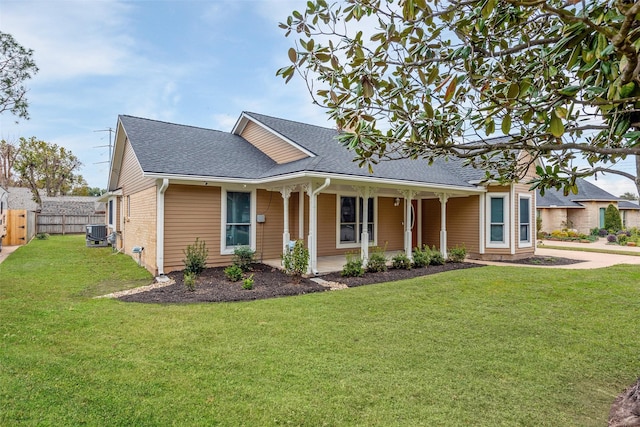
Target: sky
[193, 62]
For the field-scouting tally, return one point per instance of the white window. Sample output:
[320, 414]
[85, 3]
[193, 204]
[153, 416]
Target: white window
[238, 213]
[350, 218]
[498, 220]
[524, 214]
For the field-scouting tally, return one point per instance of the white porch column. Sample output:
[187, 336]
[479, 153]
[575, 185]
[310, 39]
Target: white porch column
[482, 226]
[408, 196]
[301, 194]
[286, 236]
[443, 224]
[313, 224]
[365, 193]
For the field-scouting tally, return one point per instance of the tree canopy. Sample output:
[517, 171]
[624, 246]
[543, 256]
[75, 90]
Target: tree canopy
[45, 166]
[559, 79]
[16, 66]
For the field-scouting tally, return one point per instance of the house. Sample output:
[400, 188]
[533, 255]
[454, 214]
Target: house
[271, 180]
[582, 211]
[630, 213]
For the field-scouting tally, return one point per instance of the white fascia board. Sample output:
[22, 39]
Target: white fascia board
[307, 175]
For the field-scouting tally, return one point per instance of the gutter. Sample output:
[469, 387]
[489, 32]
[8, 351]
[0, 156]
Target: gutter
[313, 226]
[160, 227]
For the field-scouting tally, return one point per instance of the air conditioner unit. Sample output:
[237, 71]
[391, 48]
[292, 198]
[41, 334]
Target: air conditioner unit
[96, 235]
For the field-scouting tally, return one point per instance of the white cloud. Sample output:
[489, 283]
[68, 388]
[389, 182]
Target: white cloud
[71, 39]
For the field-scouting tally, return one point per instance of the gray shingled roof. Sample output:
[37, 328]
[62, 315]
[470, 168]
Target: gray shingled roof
[334, 158]
[168, 148]
[628, 205]
[173, 149]
[586, 192]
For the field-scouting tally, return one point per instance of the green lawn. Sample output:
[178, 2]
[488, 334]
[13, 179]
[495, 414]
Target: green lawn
[485, 347]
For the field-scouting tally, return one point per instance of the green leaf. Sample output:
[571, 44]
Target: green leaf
[556, 127]
[569, 90]
[514, 90]
[506, 124]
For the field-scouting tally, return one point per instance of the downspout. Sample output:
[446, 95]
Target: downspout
[160, 227]
[313, 225]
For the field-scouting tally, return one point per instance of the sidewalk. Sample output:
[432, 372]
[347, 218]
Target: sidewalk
[6, 250]
[591, 259]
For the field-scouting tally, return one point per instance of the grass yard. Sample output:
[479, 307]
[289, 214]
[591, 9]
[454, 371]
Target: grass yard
[488, 346]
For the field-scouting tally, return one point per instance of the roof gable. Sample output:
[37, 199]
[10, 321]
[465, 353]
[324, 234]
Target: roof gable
[276, 146]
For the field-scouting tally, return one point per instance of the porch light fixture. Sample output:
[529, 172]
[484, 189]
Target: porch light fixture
[396, 202]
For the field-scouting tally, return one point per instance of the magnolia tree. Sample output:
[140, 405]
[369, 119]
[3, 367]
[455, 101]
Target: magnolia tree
[558, 79]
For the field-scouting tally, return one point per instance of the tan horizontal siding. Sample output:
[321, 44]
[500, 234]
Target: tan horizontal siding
[327, 225]
[431, 222]
[131, 179]
[190, 212]
[276, 148]
[463, 226]
[390, 228]
[269, 233]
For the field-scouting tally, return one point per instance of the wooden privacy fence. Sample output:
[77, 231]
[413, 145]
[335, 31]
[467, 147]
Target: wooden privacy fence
[66, 224]
[21, 227]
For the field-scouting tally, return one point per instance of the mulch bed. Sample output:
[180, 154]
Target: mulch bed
[544, 260]
[213, 286]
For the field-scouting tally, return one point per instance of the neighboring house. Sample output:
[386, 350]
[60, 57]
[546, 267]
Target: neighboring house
[630, 213]
[4, 200]
[583, 211]
[272, 180]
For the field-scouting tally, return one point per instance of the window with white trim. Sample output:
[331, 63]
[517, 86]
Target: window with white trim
[238, 219]
[498, 220]
[524, 214]
[351, 219]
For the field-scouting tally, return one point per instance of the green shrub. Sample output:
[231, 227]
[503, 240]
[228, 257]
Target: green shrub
[42, 236]
[612, 220]
[421, 258]
[353, 267]
[190, 280]
[401, 262]
[377, 261]
[233, 273]
[622, 239]
[594, 231]
[195, 257]
[457, 254]
[243, 257]
[436, 257]
[247, 283]
[297, 260]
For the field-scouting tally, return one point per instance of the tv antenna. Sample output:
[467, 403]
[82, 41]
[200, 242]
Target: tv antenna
[102, 146]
